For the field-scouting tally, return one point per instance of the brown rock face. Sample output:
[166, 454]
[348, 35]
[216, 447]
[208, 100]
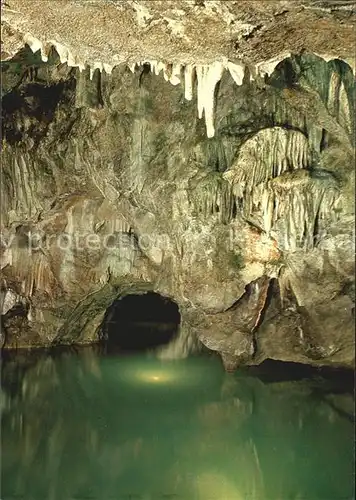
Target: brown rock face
[230, 192]
[183, 31]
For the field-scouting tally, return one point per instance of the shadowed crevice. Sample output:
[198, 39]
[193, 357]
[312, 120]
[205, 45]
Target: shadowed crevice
[140, 322]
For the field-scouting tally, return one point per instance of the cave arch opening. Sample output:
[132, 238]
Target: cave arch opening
[140, 322]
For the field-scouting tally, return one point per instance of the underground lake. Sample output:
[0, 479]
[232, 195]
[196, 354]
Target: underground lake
[92, 424]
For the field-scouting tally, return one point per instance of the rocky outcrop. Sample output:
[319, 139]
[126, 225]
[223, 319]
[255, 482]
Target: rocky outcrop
[113, 184]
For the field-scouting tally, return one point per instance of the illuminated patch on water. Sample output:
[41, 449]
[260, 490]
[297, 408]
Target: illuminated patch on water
[147, 371]
[155, 378]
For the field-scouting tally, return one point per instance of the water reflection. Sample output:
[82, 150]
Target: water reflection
[93, 427]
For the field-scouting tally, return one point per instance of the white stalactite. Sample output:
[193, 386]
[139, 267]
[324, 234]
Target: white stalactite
[176, 74]
[267, 67]
[107, 68]
[345, 117]
[161, 67]
[333, 93]
[97, 65]
[188, 81]
[153, 66]
[35, 45]
[208, 76]
[62, 51]
[237, 72]
[200, 70]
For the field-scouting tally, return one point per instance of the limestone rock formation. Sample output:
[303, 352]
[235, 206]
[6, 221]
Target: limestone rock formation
[201, 150]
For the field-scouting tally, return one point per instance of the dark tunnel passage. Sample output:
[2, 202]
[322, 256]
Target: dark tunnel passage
[140, 322]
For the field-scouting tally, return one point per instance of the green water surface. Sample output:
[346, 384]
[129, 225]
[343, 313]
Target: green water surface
[88, 426]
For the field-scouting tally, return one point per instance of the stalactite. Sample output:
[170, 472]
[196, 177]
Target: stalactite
[338, 102]
[315, 136]
[208, 77]
[21, 188]
[188, 81]
[266, 155]
[112, 226]
[333, 94]
[299, 200]
[31, 268]
[344, 116]
[237, 71]
[267, 67]
[42, 277]
[175, 74]
[270, 177]
[87, 93]
[212, 196]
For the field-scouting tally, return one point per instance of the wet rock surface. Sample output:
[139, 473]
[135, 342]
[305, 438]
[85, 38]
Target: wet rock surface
[111, 186]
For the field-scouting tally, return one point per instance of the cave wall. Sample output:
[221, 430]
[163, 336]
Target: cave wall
[110, 185]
